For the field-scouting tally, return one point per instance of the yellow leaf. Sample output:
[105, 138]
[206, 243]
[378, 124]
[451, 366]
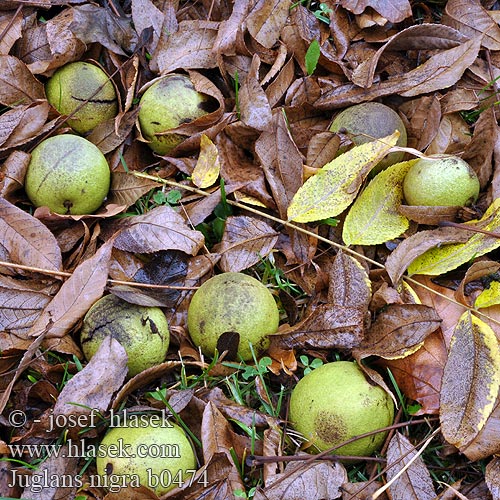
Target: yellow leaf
[440, 260]
[374, 216]
[488, 297]
[471, 380]
[207, 168]
[334, 187]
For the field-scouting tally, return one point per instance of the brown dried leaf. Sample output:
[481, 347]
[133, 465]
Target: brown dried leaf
[232, 410]
[349, 284]
[96, 24]
[314, 481]
[12, 173]
[492, 477]
[76, 295]
[91, 390]
[218, 437]
[413, 480]
[399, 330]
[424, 115]
[468, 400]
[47, 46]
[322, 149]
[22, 123]
[11, 29]
[254, 105]
[17, 83]
[430, 216]
[190, 47]
[245, 241]
[107, 136]
[26, 240]
[327, 327]
[281, 161]
[393, 10]
[472, 19]
[363, 490]
[159, 229]
[452, 137]
[63, 464]
[479, 152]
[21, 303]
[126, 189]
[266, 19]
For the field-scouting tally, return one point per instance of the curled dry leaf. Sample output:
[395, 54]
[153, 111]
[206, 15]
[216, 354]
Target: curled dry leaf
[21, 304]
[468, 400]
[266, 19]
[412, 480]
[65, 463]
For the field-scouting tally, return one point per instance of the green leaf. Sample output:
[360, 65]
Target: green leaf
[374, 216]
[333, 188]
[312, 57]
[440, 260]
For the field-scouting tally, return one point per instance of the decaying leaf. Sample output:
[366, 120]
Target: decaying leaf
[314, 481]
[245, 241]
[160, 229]
[374, 217]
[335, 186]
[412, 480]
[399, 330]
[468, 400]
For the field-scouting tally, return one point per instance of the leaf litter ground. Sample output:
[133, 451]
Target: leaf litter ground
[257, 186]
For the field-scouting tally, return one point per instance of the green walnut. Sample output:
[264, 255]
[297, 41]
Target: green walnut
[336, 402]
[168, 103]
[68, 174]
[80, 83]
[155, 453]
[368, 121]
[142, 331]
[442, 181]
[235, 307]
